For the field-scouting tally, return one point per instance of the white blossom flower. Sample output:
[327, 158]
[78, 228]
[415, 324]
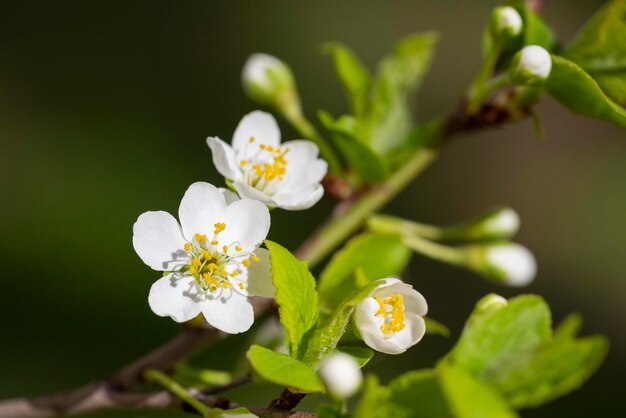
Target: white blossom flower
[390, 319]
[260, 167]
[211, 261]
[532, 64]
[341, 375]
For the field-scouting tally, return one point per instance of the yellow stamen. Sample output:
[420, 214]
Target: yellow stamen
[241, 286]
[206, 254]
[193, 270]
[195, 262]
[234, 274]
[245, 262]
[225, 248]
[394, 318]
[251, 139]
[226, 285]
[237, 248]
[243, 163]
[215, 242]
[200, 238]
[255, 259]
[187, 247]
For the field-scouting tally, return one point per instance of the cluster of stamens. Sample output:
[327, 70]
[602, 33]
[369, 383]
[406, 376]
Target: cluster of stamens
[265, 166]
[392, 310]
[210, 263]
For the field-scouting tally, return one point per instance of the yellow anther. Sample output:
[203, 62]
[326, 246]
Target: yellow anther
[207, 278]
[211, 267]
[241, 286]
[200, 238]
[215, 242]
[187, 247]
[270, 148]
[234, 274]
[251, 139]
[206, 254]
[219, 227]
[255, 259]
[213, 288]
[245, 262]
[195, 262]
[237, 248]
[226, 285]
[225, 248]
[392, 310]
[193, 270]
[243, 163]
[262, 146]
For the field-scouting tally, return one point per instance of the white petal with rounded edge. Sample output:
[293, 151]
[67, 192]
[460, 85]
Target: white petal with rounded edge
[229, 195]
[260, 125]
[303, 166]
[202, 206]
[413, 300]
[158, 240]
[249, 192]
[230, 313]
[300, 199]
[180, 299]
[260, 276]
[247, 223]
[224, 158]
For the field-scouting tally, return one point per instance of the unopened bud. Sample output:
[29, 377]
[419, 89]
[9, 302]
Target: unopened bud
[531, 65]
[506, 22]
[269, 81]
[506, 263]
[341, 375]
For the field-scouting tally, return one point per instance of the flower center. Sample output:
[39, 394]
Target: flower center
[265, 168]
[216, 266]
[392, 310]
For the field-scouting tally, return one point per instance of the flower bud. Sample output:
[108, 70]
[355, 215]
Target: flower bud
[506, 263]
[490, 302]
[269, 81]
[341, 375]
[505, 22]
[496, 224]
[390, 319]
[531, 65]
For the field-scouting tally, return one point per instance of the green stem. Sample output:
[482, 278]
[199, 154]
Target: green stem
[436, 251]
[308, 131]
[387, 224]
[155, 376]
[340, 227]
[475, 92]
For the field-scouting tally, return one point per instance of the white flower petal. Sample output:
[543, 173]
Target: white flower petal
[224, 158]
[179, 298]
[260, 125]
[247, 223]
[300, 199]
[158, 240]
[413, 300]
[231, 312]
[229, 195]
[303, 166]
[260, 276]
[412, 334]
[249, 192]
[202, 206]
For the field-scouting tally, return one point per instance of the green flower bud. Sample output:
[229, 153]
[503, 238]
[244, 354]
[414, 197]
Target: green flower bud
[531, 65]
[505, 263]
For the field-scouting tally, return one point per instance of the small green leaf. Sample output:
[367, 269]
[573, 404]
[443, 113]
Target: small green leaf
[599, 49]
[237, 412]
[471, 398]
[353, 75]
[378, 256]
[569, 327]
[329, 411]
[418, 393]
[576, 90]
[493, 337]
[554, 370]
[295, 295]
[368, 166]
[362, 355]
[374, 402]
[436, 328]
[536, 30]
[283, 370]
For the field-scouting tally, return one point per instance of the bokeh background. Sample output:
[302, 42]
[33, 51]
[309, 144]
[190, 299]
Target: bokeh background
[104, 108]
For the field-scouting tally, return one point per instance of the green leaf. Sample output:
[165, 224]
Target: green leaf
[329, 411]
[353, 75]
[599, 49]
[568, 328]
[418, 394]
[237, 412]
[471, 398]
[436, 328]
[368, 166]
[295, 295]
[536, 30]
[576, 90]
[389, 120]
[283, 370]
[377, 255]
[374, 402]
[493, 337]
[554, 370]
[362, 355]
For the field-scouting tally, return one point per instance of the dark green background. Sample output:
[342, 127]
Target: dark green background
[104, 107]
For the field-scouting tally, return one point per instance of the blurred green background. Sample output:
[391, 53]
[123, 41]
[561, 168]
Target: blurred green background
[104, 108]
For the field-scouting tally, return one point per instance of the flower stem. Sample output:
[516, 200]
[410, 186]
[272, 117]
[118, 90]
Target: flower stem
[476, 93]
[340, 227]
[436, 251]
[387, 224]
[155, 376]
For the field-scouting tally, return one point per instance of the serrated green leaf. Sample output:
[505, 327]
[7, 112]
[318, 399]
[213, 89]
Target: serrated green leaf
[389, 120]
[599, 49]
[494, 337]
[418, 394]
[576, 90]
[295, 295]
[362, 355]
[366, 165]
[469, 397]
[353, 75]
[378, 256]
[554, 370]
[283, 370]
